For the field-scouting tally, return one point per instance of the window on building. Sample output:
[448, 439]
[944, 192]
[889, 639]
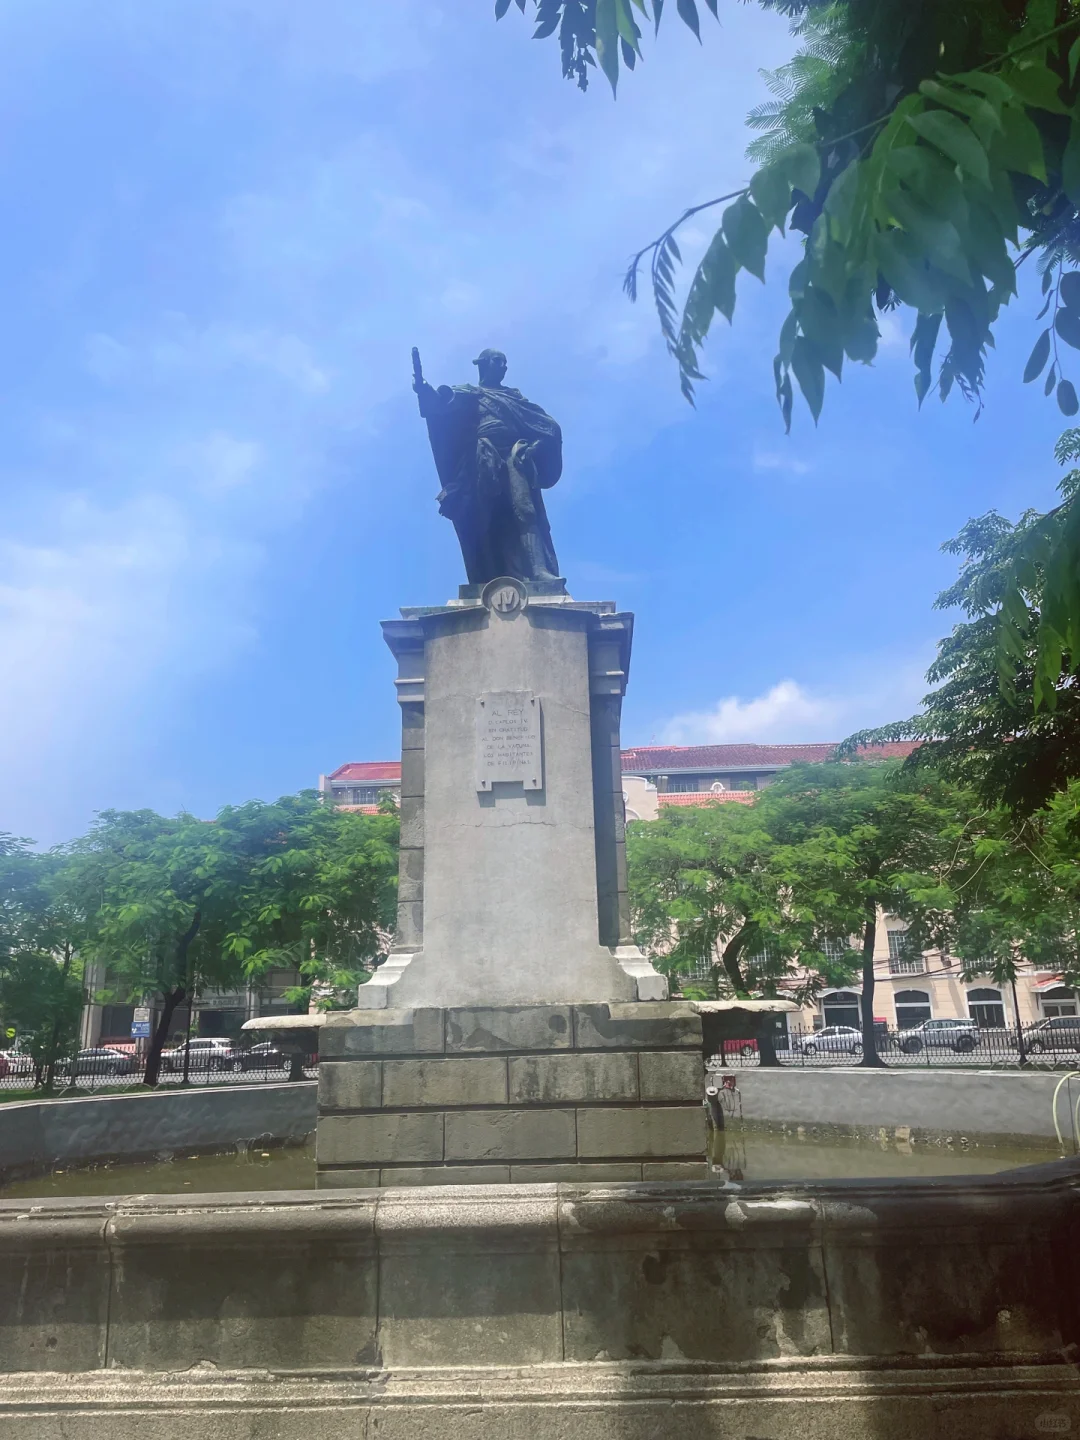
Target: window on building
[682, 783]
[1058, 1001]
[904, 959]
[841, 1008]
[986, 1008]
[367, 796]
[116, 1022]
[745, 783]
[836, 949]
[912, 1008]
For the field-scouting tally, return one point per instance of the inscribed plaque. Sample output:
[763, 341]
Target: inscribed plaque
[508, 739]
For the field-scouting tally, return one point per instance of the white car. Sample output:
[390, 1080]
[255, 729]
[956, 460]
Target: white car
[833, 1040]
[18, 1062]
[212, 1053]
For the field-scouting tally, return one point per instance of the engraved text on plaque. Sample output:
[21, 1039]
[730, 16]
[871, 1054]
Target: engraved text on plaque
[508, 739]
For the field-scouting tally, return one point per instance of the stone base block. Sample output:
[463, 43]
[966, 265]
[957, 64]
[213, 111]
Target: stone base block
[529, 1092]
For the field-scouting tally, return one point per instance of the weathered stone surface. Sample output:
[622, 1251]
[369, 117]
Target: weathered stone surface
[412, 772]
[54, 1302]
[539, 1079]
[652, 1024]
[471, 1080]
[510, 1135]
[484, 1310]
[447, 1175]
[676, 1075]
[508, 1027]
[573, 1173]
[641, 1131]
[941, 1296]
[312, 1309]
[675, 1170]
[351, 1084]
[353, 1179]
[676, 1300]
[379, 1139]
[381, 1032]
[628, 1400]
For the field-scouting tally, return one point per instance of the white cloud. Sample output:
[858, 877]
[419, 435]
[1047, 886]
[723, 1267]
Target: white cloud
[222, 462]
[872, 692]
[786, 712]
[776, 460]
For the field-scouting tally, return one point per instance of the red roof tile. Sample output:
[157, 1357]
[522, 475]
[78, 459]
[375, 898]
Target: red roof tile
[660, 757]
[356, 772]
[717, 757]
[706, 797]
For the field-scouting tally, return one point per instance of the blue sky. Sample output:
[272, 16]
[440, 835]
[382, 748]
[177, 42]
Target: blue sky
[226, 225]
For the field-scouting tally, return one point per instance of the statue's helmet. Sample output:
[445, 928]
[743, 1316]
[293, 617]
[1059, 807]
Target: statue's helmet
[487, 358]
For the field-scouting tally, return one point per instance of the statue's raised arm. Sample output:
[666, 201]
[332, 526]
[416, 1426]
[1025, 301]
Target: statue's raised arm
[495, 452]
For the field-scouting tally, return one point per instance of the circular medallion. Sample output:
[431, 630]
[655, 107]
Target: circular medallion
[505, 596]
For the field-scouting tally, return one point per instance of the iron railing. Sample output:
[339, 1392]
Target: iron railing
[962, 1044]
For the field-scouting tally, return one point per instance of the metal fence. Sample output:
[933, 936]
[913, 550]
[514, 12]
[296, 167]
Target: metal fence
[121, 1067]
[946, 1044]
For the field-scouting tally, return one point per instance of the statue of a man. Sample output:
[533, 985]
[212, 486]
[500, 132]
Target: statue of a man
[496, 453]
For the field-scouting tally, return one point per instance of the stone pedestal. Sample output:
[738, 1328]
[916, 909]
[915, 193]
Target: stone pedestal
[515, 1032]
[513, 1093]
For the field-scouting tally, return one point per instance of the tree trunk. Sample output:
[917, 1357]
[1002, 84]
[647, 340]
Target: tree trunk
[54, 1038]
[172, 1000]
[161, 1034]
[870, 1056]
[729, 959]
[766, 1044]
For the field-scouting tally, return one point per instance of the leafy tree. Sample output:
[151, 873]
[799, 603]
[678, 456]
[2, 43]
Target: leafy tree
[1017, 893]
[183, 904]
[40, 972]
[925, 150]
[973, 731]
[867, 836]
[712, 889]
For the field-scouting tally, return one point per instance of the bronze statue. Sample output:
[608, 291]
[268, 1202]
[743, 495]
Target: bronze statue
[496, 453]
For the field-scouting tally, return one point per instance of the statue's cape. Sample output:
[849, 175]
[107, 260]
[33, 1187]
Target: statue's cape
[455, 425]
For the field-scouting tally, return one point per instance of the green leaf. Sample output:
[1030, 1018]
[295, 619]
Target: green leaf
[1051, 379]
[688, 13]
[985, 118]
[938, 239]
[771, 193]
[1038, 358]
[840, 203]
[1067, 325]
[607, 40]
[788, 331]
[810, 373]
[712, 289]
[1070, 163]
[747, 235]
[628, 30]
[501, 7]
[1037, 86]
[990, 85]
[1019, 147]
[902, 263]
[1066, 398]
[821, 325]
[923, 343]
[1074, 60]
[955, 139]
[1069, 289]
[803, 168]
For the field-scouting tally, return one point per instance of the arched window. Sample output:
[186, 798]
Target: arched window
[912, 1008]
[1058, 1000]
[841, 1008]
[986, 1008]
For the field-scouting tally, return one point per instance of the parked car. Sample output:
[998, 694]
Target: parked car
[101, 1060]
[746, 1048]
[962, 1036]
[5, 1067]
[1060, 1033]
[215, 1053]
[18, 1062]
[264, 1056]
[833, 1040]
